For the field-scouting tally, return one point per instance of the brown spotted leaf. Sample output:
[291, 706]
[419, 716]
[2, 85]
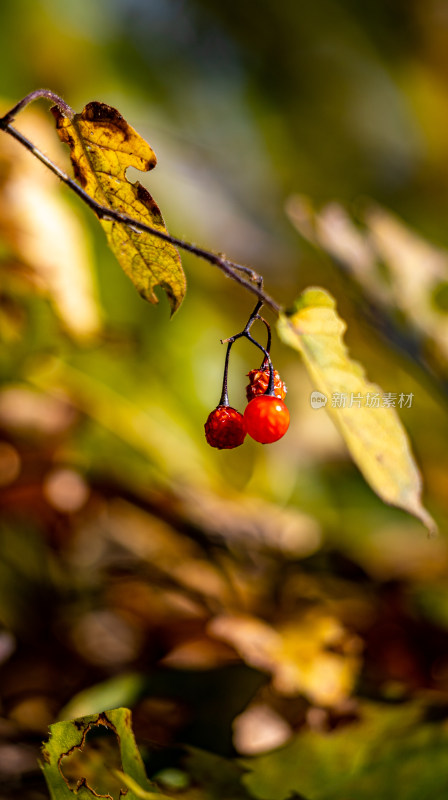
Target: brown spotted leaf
[102, 147]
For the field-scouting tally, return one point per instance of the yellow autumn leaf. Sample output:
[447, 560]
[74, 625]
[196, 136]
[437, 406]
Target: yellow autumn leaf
[373, 434]
[102, 147]
[311, 655]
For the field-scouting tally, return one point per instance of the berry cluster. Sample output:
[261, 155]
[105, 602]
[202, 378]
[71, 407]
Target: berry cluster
[266, 417]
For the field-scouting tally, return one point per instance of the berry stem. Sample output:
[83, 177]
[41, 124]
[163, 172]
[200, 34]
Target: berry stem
[253, 316]
[224, 401]
[270, 391]
[267, 359]
[268, 343]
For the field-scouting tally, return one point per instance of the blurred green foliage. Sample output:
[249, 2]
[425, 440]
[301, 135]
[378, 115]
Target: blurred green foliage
[140, 567]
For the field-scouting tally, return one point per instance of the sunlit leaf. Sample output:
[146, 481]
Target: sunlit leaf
[374, 435]
[69, 737]
[312, 655]
[44, 234]
[103, 146]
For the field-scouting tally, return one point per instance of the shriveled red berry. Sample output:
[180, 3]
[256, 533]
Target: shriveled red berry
[258, 383]
[225, 428]
[266, 418]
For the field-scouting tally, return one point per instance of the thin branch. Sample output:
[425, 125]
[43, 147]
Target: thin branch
[48, 94]
[253, 282]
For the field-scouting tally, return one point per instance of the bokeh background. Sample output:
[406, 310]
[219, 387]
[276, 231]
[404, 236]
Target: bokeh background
[248, 602]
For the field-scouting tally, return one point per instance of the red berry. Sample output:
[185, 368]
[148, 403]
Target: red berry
[259, 379]
[225, 428]
[266, 418]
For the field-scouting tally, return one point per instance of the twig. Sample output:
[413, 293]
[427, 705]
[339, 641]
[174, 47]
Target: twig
[48, 94]
[253, 282]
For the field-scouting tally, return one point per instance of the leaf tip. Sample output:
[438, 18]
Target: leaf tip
[429, 523]
[175, 304]
[413, 505]
[314, 296]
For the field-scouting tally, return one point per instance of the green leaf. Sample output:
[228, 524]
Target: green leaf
[374, 436]
[136, 789]
[102, 147]
[390, 752]
[70, 736]
[120, 689]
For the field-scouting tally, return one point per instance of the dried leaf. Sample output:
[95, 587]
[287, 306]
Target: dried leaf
[331, 229]
[416, 270]
[102, 147]
[374, 436]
